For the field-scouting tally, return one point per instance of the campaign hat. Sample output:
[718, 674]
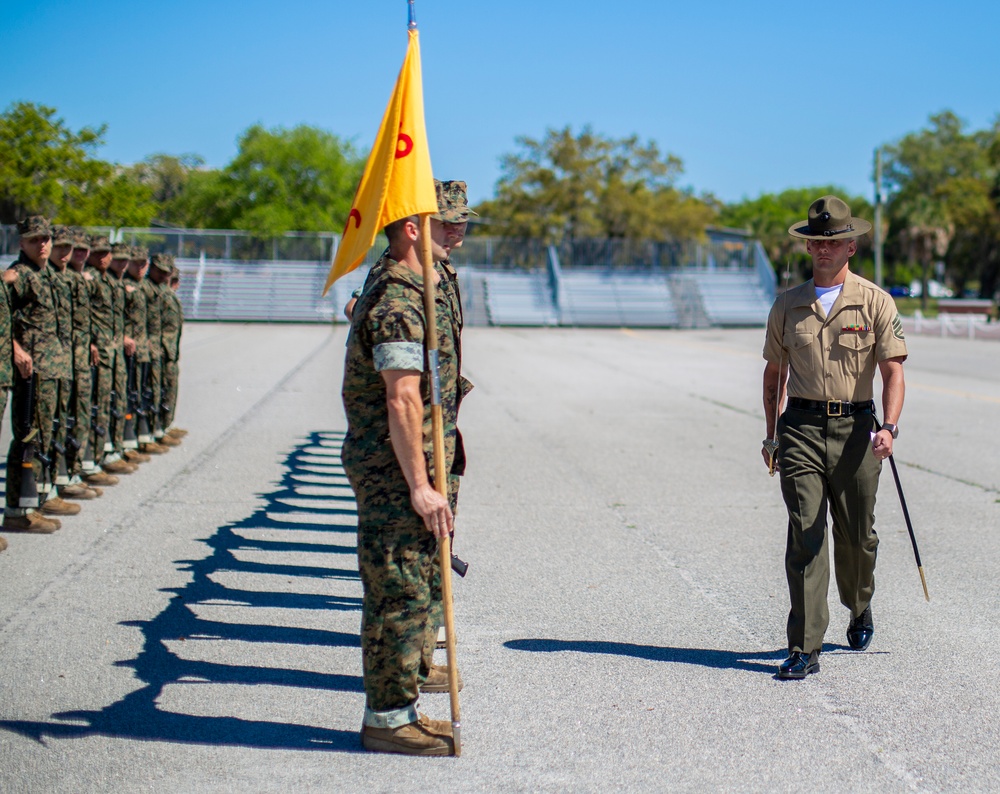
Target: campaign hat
[829, 219]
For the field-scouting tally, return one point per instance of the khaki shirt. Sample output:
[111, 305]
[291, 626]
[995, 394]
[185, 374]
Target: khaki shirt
[834, 358]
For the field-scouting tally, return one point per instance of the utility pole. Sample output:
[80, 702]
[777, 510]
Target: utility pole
[878, 218]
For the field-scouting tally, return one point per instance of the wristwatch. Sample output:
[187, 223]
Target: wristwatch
[893, 429]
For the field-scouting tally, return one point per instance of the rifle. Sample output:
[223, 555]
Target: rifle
[132, 408]
[28, 496]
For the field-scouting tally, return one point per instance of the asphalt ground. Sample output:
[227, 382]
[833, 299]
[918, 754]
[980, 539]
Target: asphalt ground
[196, 629]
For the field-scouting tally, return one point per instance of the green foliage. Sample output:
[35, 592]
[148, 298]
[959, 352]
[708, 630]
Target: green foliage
[302, 179]
[944, 201]
[586, 185]
[45, 167]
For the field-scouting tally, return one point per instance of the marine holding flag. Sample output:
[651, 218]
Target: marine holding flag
[388, 452]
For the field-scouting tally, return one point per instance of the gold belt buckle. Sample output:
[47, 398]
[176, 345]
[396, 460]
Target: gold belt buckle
[834, 408]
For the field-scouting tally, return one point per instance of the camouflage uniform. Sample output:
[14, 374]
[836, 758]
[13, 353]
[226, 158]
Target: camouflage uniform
[135, 327]
[6, 350]
[35, 325]
[107, 302]
[171, 325]
[154, 344]
[80, 399]
[395, 550]
[62, 283]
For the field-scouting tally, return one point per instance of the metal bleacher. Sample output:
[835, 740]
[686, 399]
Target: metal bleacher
[732, 298]
[518, 298]
[615, 299]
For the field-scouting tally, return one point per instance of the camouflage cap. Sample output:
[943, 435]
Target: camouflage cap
[62, 235]
[453, 202]
[80, 239]
[99, 243]
[34, 226]
[121, 251]
[163, 262]
[139, 253]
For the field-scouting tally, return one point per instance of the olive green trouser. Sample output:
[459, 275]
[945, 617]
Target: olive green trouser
[827, 462]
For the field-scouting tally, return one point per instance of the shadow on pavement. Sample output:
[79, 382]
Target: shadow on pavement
[753, 661]
[313, 495]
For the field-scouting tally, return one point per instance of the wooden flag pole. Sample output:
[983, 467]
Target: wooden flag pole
[440, 475]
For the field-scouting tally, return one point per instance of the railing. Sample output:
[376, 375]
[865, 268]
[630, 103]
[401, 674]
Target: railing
[231, 275]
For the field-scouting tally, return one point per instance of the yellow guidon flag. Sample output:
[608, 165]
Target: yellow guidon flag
[398, 181]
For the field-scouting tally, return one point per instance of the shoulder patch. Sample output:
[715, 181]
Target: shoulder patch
[897, 327]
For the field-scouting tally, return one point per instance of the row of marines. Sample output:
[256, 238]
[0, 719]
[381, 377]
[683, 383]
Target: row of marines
[89, 348]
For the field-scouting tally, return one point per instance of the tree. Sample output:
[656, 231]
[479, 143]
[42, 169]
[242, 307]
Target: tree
[941, 179]
[45, 167]
[166, 176]
[568, 186]
[301, 179]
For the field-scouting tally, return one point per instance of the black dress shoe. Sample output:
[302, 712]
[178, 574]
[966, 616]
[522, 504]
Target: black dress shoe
[861, 630]
[799, 665]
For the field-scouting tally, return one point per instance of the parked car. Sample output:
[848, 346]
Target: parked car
[935, 289]
[899, 291]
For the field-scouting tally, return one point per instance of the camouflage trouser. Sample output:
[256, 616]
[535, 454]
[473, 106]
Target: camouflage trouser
[101, 391]
[79, 409]
[60, 460]
[117, 429]
[156, 386]
[171, 372]
[395, 560]
[46, 396]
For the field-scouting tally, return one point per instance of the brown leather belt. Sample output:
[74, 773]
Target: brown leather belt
[831, 407]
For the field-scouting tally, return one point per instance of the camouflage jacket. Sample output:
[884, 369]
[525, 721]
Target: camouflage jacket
[34, 319]
[171, 324]
[102, 311]
[388, 332]
[135, 316]
[81, 319]
[154, 317]
[6, 347]
[63, 292]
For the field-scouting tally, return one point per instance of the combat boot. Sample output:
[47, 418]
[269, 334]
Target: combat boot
[33, 522]
[176, 432]
[99, 478]
[119, 467]
[423, 737]
[77, 491]
[3, 543]
[437, 680]
[168, 441]
[54, 506]
[152, 448]
[134, 456]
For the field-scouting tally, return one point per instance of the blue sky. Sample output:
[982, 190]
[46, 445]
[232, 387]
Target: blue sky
[753, 97]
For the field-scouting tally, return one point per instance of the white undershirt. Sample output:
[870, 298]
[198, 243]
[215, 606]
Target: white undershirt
[828, 296]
